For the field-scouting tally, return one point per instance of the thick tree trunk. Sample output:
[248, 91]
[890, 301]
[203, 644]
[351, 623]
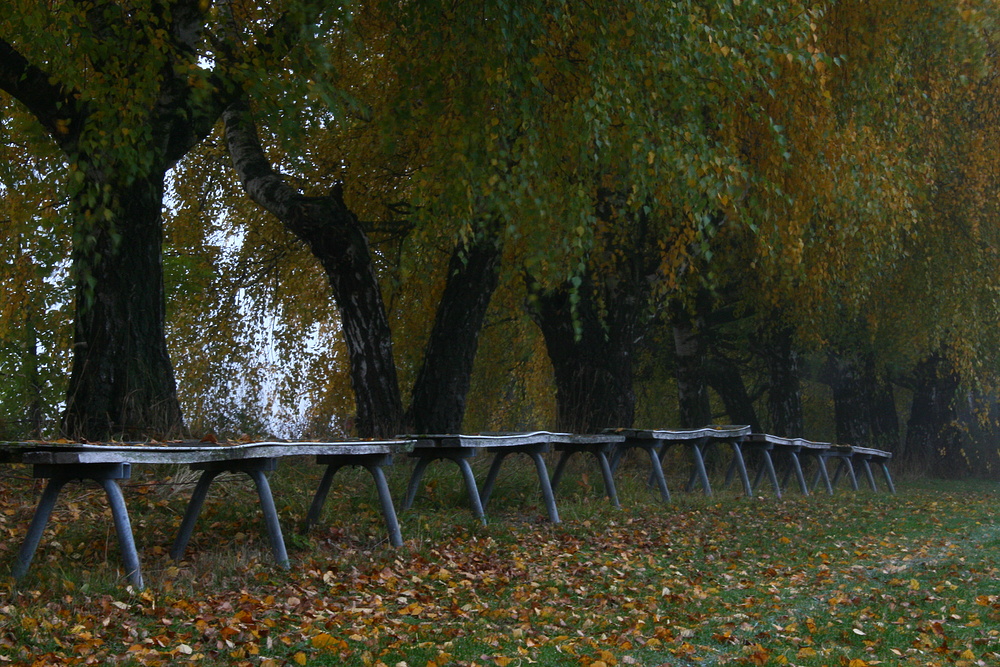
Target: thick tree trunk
[784, 399]
[695, 410]
[335, 236]
[864, 408]
[724, 377]
[591, 358]
[933, 435]
[121, 382]
[438, 399]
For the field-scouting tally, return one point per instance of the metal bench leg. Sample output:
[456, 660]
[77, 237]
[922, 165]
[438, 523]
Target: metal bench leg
[560, 467]
[470, 486]
[822, 472]
[319, 499]
[191, 513]
[543, 480]
[661, 482]
[126, 541]
[414, 483]
[491, 478]
[609, 480]
[388, 510]
[38, 522]
[699, 468]
[868, 474]
[741, 467]
[888, 477]
[797, 467]
[769, 465]
[270, 517]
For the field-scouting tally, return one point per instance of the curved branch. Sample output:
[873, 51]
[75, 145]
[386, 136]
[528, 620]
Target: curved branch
[56, 107]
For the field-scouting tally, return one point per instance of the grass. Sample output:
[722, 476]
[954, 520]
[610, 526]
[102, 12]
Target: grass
[850, 580]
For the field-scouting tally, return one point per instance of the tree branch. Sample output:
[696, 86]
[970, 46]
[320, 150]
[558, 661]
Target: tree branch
[57, 108]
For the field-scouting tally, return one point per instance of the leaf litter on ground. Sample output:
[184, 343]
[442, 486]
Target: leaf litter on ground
[851, 580]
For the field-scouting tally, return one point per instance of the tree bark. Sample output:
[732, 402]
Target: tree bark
[933, 435]
[591, 357]
[864, 408]
[335, 237]
[724, 377]
[439, 392]
[122, 381]
[694, 407]
[784, 398]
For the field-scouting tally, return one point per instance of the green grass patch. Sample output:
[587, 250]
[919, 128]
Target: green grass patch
[850, 580]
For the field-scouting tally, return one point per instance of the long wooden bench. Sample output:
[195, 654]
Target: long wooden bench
[794, 450]
[657, 442]
[865, 456]
[459, 448]
[105, 464]
[601, 446]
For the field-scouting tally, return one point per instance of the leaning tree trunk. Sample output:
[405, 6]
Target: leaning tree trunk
[724, 377]
[439, 392]
[335, 236]
[693, 403]
[784, 399]
[121, 382]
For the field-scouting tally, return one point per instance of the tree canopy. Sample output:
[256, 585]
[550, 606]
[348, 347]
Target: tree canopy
[522, 177]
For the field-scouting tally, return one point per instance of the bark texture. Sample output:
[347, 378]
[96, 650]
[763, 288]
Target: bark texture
[337, 240]
[122, 381]
[784, 398]
[933, 434]
[439, 392]
[864, 407]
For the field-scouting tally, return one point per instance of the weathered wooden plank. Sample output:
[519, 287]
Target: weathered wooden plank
[174, 453]
[479, 440]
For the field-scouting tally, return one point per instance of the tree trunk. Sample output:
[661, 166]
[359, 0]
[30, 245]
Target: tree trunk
[335, 237]
[695, 410]
[439, 392]
[724, 377]
[121, 382]
[591, 358]
[864, 408]
[933, 435]
[784, 399]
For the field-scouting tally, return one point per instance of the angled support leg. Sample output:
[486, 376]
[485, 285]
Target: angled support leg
[888, 477]
[270, 517]
[414, 483]
[702, 473]
[609, 480]
[491, 476]
[470, 487]
[191, 513]
[657, 471]
[105, 474]
[741, 467]
[38, 522]
[866, 465]
[388, 510]
[123, 527]
[821, 472]
[560, 467]
[373, 464]
[797, 467]
[771, 473]
[255, 469]
[543, 480]
[319, 499]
